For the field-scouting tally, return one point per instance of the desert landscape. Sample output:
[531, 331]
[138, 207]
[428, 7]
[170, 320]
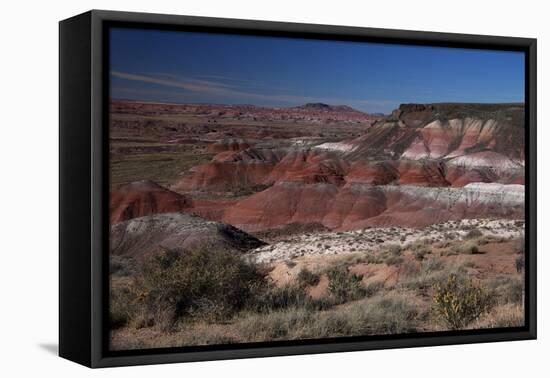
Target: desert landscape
[247, 223]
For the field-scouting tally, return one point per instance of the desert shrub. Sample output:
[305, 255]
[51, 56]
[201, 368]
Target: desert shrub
[393, 249]
[371, 259]
[432, 265]
[449, 235]
[390, 315]
[516, 291]
[418, 244]
[507, 288]
[284, 324]
[459, 301]
[269, 298]
[291, 264]
[420, 252]
[343, 285]
[379, 315]
[307, 277]
[473, 234]
[361, 257]
[429, 276]
[443, 244]
[486, 239]
[393, 260]
[122, 307]
[373, 288]
[409, 268]
[203, 282]
[469, 248]
[121, 266]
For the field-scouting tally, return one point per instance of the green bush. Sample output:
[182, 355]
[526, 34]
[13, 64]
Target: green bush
[459, 302]
[344, 286]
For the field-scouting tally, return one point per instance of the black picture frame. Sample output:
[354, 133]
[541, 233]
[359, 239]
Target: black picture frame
[84, 191]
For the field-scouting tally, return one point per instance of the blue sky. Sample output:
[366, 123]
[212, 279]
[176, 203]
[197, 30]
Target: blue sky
[184, 67]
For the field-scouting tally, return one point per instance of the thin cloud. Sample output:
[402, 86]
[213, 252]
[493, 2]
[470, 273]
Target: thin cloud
[212, 88]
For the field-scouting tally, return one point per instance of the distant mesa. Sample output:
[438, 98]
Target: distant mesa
[326, 107]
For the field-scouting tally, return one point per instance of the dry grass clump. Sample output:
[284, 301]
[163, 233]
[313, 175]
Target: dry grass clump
[122, 266]
[343, 285]
[502, 316]
[273, 298]
[508, 288]
[421, 252]
[393, 249]
[418, 244]
[468, 248]
[393, 260]
[380, 315]
[307, 278]
[431, 272]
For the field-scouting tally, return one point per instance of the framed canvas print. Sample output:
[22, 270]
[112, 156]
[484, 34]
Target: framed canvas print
[234, 188]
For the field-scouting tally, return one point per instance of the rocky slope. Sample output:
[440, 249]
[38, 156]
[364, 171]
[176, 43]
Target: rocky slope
[376, 238]
[142, 237]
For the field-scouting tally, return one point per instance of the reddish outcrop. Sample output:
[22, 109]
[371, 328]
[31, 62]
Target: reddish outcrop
[142, 198]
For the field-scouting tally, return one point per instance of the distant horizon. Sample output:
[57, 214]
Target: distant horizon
[177, 67]
[297, 106]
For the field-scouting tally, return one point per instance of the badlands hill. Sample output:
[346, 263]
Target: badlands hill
[145, 197]
[422, 164]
